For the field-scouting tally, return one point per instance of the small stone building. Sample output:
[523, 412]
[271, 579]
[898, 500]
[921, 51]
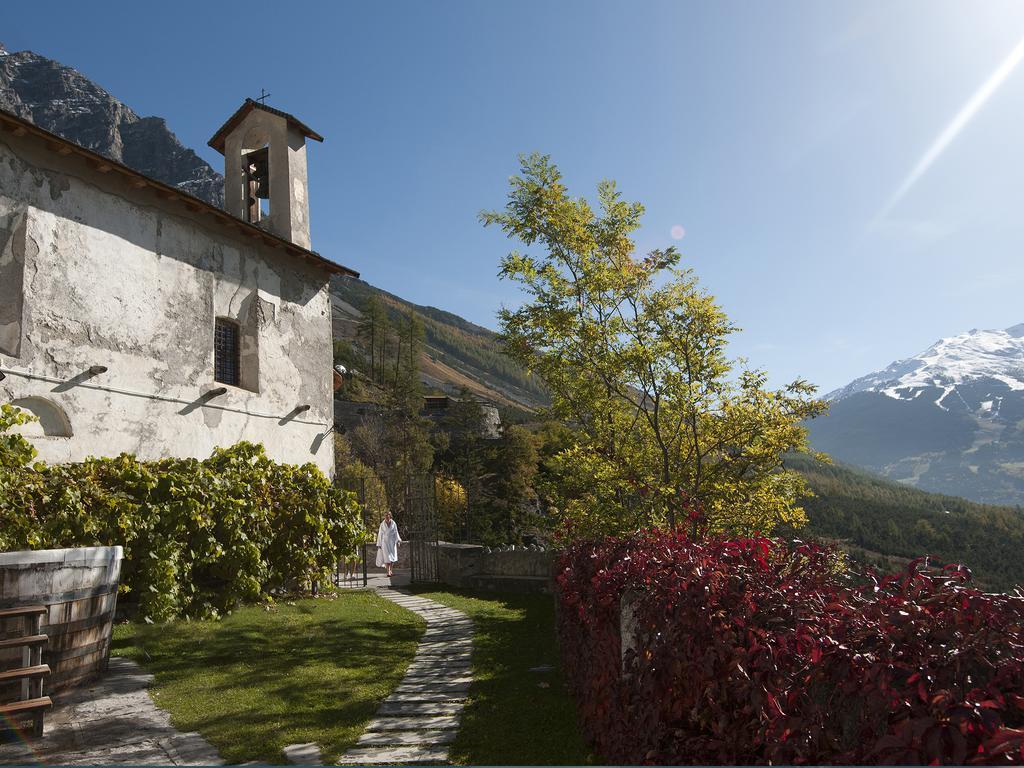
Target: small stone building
[137, 318]
[435, 407]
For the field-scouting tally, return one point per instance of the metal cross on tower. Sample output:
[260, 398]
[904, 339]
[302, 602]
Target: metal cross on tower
[262, 98]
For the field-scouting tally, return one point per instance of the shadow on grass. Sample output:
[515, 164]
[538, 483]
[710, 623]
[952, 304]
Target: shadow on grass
[315, 670]
[515, 716]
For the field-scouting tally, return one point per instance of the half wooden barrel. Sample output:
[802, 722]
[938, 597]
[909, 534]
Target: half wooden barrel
[79, 589]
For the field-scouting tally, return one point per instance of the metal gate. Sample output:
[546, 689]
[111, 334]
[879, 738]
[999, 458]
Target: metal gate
[420, 519]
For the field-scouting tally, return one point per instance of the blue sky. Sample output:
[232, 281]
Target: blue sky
[776, 134]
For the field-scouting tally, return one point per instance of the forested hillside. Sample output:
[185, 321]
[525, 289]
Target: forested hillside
[457, 353]
[882, 523]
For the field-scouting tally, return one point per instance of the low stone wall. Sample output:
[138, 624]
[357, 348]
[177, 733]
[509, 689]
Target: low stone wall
[79, 588]
[514, 568]
[458, 563]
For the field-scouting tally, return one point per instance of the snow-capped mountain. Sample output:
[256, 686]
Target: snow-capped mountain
[949, 363]
[950, 419]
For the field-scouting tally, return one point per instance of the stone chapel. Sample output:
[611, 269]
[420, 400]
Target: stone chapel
[137, 318]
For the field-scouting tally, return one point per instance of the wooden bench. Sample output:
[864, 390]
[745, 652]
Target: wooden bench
[32, 670]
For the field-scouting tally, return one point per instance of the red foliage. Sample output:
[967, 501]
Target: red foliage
[752, 651]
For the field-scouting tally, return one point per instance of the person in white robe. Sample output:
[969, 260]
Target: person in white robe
[387, 543]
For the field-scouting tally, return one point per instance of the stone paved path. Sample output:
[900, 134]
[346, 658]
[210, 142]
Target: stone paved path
[113, 721]
[418, 721]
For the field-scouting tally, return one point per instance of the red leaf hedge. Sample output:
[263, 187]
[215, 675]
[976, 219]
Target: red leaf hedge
[754, 651]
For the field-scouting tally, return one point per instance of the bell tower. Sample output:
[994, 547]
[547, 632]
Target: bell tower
[265, 177]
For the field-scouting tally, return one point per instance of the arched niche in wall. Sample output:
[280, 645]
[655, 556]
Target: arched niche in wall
[52, 420]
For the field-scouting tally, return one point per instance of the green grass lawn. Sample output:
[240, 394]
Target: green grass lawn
[258, 680]
[514, 716]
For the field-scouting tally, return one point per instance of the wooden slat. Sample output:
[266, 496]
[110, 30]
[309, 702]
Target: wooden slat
[14, 128]
[29, 705]
[22, 673]
[25, 610]
[59, 147]
[28, 640]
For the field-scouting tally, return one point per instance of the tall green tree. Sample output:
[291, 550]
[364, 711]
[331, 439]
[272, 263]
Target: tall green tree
[634, 354]
[373, 333]
[463, 453]
[407, 438]
[511, 499]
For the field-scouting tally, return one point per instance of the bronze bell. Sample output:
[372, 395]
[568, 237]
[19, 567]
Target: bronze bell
[259, 172]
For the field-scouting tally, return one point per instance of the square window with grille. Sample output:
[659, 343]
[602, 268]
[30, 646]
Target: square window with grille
[226, 353]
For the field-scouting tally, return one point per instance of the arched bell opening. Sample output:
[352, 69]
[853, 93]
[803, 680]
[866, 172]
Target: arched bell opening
[256, 174]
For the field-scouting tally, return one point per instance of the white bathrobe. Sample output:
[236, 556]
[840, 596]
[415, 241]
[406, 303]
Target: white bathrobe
[387, 543]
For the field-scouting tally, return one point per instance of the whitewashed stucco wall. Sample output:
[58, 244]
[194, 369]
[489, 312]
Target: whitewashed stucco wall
[93, 272]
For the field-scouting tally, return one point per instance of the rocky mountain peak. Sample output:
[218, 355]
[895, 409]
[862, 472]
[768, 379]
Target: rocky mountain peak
[993, 355]
[62, 100]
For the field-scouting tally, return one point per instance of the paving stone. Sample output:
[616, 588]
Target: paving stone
[303, 754]
[393, 755]
[439, 610]
[414, 722]
[406, 738]
[439, 656]
[455, 643]
[148, 752]
[440, 659]
[442, 652]
[413, 602]
[434, 610]
[442, 685]
[441, 666]
[439, 673]
[428, 696]
[444, 644]
[444, 635]
[447, 630]
[445, 649]
[440, 669]
[427, 679]
[419, 696]
[419, 708]
[445, 686]
[441, 662]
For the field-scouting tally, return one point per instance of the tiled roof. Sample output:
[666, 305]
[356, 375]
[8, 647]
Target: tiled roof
[217, 142]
